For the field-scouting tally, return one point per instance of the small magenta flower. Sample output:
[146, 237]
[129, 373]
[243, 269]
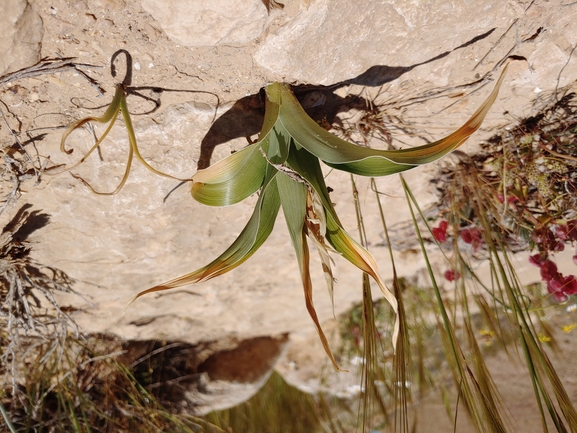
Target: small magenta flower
[562, 287]
[559, 286]
[473, 237]
[440, 233]
[561, 232]
[549, 271]
[537, 260]
[570, 285]
[510, 198]
[451, 275]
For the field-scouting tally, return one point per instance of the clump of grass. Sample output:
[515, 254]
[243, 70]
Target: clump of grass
[28, 307]
[59, 380]
[514, 196]
[88, 388]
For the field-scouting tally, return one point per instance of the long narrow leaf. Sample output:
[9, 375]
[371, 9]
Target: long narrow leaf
[308, 166]
[293, 198]
[109, 115]
[250, 239]
[365, 161]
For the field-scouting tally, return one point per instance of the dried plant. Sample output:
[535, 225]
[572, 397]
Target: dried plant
[116, 107]
[28, 307]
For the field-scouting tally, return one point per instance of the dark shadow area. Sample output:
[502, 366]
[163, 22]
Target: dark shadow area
[170, 371]
[24, 223]
[166, 370]
[245, 117]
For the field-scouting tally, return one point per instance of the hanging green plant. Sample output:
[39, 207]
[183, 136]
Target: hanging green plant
[284, 166]
[116, 107]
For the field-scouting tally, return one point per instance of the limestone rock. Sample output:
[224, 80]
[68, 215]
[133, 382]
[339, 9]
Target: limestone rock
[22, 33]
[204, 23]
[338, 40]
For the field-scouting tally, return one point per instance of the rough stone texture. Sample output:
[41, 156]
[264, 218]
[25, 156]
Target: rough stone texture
[21, 35]
[141, 241]
[116, 246]
[436, 43]
[200, 23]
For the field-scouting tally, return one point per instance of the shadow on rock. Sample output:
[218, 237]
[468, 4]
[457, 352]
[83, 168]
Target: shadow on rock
[204, 377]
[245, 117]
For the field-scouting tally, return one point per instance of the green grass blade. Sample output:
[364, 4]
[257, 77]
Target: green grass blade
[7, 419]
[478, 395]
[134, 145]
[109, 115]
[401, 365]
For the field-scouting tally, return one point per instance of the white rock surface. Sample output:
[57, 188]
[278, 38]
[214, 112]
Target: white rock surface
[21, 35]
[337, 40]
[198, 23]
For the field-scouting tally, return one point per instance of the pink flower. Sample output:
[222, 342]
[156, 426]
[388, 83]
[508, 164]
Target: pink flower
[537, 260]
[510, 198]
[562, 287]
[440, 233]
[561, 232]
[555, 287]
[549, 271]
[559, 286]
[473, 237]
[572, 230]
[543, 237]
[570, 285]
[452, 275]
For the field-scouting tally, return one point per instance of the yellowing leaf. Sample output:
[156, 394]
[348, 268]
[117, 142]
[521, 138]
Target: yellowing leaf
[118, 105]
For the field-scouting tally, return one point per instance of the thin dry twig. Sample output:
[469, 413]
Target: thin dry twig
[49, 65]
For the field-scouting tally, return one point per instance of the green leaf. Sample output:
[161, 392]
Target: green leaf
[237, 177]
[293, 197]
[309, 168]
[109, 115]
[232, 179]
[342, 155]
[248, 242]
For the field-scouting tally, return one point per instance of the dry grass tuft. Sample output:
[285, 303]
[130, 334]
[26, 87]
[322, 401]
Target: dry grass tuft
[28, 308]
